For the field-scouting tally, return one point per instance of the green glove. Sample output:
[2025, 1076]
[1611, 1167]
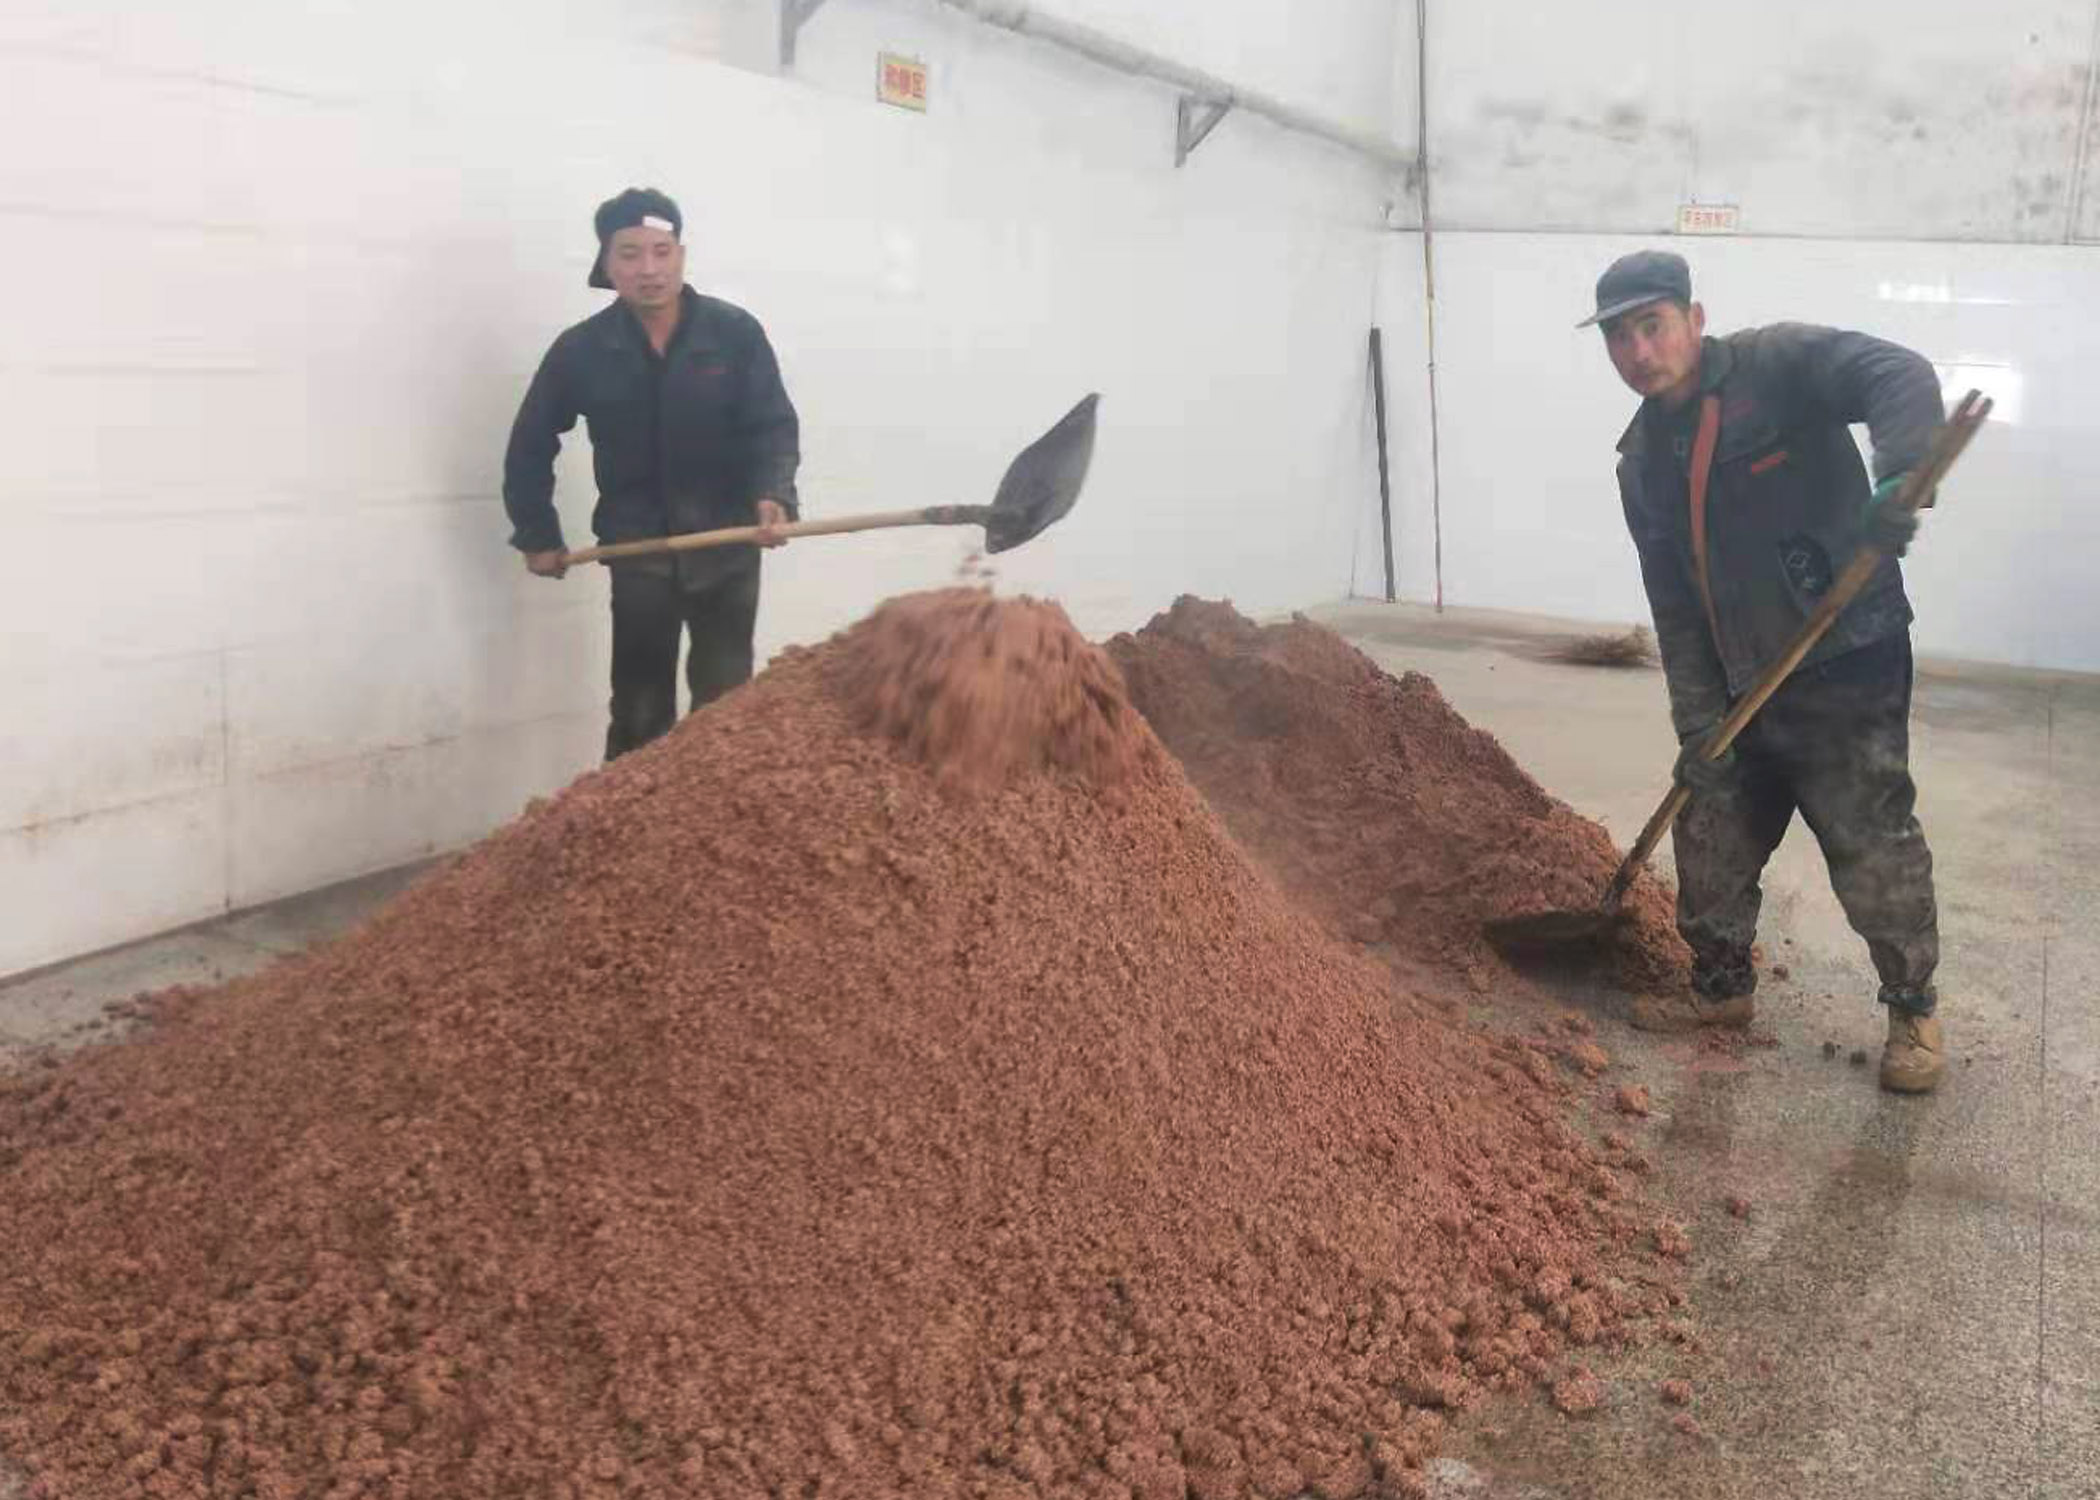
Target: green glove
[1884, 525]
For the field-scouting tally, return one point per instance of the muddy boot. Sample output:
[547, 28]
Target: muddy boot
[1691, 1012]
[1915, 1057]
[1724, 986]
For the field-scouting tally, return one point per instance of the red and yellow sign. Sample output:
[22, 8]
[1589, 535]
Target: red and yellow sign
[1709, 218]
[901, 81]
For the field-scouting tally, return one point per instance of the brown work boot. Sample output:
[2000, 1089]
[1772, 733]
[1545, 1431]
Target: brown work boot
[1691, 1012]
[1915, 1057]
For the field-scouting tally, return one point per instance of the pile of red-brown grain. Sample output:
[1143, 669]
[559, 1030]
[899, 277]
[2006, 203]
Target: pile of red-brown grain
[781, 1111]
[1372, 800]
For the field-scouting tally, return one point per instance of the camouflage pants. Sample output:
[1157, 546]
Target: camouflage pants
[1834, 744]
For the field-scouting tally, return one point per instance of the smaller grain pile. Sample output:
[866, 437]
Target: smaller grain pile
[1371, 798]
[893, 1083]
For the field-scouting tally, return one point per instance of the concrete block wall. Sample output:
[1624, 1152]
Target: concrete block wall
[283, 270]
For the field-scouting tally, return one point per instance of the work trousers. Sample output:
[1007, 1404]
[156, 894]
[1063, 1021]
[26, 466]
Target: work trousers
[651, 609]
[1834, 744]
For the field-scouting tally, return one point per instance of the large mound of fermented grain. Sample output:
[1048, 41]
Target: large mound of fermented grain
[791, 1110]
[1371, 798]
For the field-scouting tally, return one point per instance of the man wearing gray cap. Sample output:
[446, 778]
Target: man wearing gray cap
[1746, 496]
[691, 430]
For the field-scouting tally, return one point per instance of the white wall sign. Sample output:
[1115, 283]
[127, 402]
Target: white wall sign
[1709, 218]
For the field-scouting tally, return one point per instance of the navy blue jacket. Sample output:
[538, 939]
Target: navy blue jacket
[1784, 504]
[688, 441]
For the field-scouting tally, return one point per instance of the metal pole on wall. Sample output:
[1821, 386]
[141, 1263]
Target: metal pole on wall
[1436, 455]
[1385, 478]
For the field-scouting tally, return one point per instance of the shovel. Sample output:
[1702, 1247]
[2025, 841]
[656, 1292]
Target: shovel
[1040, 486]
[1549, 930]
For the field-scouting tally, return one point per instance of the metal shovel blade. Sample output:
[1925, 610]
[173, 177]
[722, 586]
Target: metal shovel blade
[1043, 481]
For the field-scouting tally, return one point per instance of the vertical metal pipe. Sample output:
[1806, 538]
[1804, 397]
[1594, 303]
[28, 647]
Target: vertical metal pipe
[1385, 478]
[2081, 149]
[1436, 451]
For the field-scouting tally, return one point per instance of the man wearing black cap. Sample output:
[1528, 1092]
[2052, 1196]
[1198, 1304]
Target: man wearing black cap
[691, 430]
[1746, 497]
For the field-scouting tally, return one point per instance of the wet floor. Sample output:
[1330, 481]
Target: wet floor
[1911, 1306]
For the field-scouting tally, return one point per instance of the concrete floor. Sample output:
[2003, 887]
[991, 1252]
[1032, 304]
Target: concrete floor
[1912, 1308]
[67, 1005]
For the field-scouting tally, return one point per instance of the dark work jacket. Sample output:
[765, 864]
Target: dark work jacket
[690, 441]
[1784, 502]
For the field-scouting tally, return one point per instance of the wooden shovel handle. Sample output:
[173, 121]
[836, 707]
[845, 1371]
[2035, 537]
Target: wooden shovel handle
[1918, 486]
[732, 536]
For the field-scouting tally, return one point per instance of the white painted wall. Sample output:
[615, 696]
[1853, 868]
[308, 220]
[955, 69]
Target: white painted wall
[1870, 119]
[1908, 167]
[1532, 410]
[1331, 56]
[282, 270]
[284, 275]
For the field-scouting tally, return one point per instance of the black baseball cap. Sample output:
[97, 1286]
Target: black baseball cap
[635, 206]
[1638, 279]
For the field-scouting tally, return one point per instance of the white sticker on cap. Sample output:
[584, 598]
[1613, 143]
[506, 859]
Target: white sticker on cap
[651, 221]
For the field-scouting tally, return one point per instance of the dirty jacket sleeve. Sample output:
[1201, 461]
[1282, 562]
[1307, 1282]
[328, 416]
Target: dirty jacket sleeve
[769, 428]
[548, 411]
[1691, 667]
[1842, 377]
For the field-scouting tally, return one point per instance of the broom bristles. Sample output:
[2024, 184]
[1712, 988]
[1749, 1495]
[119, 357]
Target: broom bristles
[1632, 648]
